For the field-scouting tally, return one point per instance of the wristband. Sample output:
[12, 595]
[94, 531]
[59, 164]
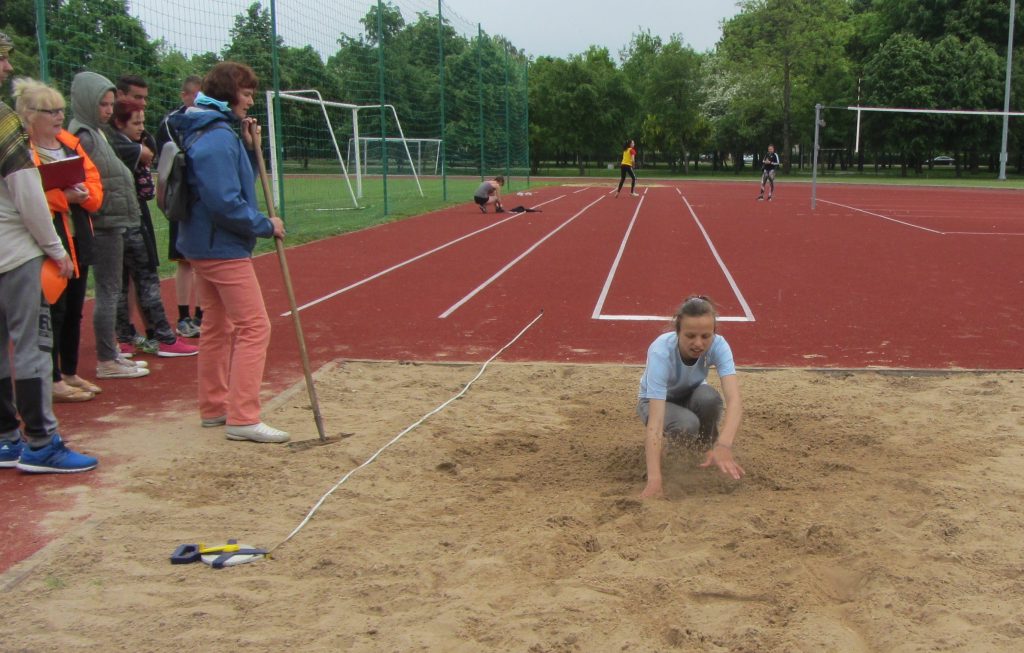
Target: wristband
[722, 444]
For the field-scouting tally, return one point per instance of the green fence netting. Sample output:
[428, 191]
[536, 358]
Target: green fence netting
[375, 107]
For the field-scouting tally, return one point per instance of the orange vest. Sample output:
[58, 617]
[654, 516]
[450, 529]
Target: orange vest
[59, 202]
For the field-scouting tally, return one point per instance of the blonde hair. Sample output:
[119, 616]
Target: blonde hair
[30, 94]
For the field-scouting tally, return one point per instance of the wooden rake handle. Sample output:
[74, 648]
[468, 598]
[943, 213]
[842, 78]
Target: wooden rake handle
[279, 245]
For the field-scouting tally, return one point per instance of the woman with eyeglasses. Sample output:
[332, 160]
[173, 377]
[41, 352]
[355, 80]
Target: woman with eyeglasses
[41, 109]
[675, 399]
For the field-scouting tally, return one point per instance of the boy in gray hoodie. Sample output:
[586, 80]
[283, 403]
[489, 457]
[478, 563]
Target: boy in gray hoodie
[92, 99]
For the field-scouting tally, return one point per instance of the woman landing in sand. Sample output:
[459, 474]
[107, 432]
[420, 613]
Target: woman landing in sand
[675, 399]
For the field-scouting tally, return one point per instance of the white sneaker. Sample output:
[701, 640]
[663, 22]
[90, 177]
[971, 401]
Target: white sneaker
[124, 360]
[258, 432]
[635, 194]
[119, 368]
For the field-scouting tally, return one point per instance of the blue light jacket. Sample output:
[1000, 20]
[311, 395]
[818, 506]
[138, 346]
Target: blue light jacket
[226, 220]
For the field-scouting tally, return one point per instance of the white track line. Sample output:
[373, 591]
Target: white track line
[728, 275]
[884, 217]
[934, 231]
[454, 307]
[596, 315]
[748, 316]
[412, 260]
[984, 233]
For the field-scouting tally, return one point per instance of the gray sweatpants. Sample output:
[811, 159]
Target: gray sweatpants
[108, 266]
[26, 385]
[695, 415]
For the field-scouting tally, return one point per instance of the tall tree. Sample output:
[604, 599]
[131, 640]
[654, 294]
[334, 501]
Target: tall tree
[788, 40]
[101, 36]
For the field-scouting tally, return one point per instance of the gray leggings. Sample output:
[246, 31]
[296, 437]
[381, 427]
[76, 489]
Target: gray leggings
[108, 256]
[695, 415]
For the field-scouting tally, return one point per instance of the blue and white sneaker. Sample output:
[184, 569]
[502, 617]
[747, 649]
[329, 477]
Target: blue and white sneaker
[187, 328]
[10, 452]
[54, 458]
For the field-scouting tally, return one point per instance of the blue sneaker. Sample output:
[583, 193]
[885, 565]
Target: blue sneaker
[54, 458]
[10, 452]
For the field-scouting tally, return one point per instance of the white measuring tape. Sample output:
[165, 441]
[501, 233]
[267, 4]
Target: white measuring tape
[398, 437]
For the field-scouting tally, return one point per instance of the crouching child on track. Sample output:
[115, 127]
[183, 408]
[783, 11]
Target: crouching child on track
[489, 192]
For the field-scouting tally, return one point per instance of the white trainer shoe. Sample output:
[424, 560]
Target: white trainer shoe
[119, 368]
[258, 432]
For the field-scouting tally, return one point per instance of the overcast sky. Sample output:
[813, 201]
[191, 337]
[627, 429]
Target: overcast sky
[557, 28]
[562, 27]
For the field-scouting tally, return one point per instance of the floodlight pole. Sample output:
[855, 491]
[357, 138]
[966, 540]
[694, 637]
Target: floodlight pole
[814, 165]
[1003, 156]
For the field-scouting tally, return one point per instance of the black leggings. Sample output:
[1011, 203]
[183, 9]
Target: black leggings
[627, 170]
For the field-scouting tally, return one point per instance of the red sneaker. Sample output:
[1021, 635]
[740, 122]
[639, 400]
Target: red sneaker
[176, 348]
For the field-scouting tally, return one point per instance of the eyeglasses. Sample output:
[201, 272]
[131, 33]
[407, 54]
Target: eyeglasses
[52, 112]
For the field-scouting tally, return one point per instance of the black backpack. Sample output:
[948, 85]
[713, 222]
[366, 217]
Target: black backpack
[174, 196]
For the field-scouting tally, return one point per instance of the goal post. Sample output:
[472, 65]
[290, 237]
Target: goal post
[351, 115]
[301, 96]
[819, 122]
[358, 150]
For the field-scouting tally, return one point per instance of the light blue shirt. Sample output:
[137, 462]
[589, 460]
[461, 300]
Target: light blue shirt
[667, 377]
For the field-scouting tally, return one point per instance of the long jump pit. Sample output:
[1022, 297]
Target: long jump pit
[880, 511]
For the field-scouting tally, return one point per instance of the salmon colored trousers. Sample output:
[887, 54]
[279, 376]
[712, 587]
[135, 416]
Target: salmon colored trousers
[234, 340]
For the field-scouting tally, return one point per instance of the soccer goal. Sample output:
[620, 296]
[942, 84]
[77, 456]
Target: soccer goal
[310, 142]
[860, 110]
[371, 150]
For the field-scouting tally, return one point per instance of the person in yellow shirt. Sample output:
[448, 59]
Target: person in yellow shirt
[628, 160]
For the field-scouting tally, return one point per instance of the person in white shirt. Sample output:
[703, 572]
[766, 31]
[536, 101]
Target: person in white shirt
[676, 400]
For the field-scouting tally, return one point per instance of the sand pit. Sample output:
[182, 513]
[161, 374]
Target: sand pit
[881, 512]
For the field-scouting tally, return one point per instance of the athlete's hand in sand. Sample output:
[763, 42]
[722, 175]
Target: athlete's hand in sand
[722, 457]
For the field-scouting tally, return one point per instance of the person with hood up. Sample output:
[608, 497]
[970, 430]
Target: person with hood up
[218, 239]
[92, 99]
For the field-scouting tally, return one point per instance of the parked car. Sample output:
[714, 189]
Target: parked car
[943, 161]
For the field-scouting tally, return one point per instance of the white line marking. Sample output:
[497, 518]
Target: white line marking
[454, 307]
[732, 282]
[668, 318]
[615, 264]
[413, 260]
[983, 233]
[884, 217]
[748, 316]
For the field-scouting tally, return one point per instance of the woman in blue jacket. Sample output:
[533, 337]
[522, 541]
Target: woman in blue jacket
[218, 239]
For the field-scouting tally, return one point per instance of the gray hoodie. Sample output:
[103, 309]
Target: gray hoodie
[120, 207]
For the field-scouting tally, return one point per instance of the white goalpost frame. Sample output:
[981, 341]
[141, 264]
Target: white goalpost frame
[859, 109]
[401, 134]
[367, 140]
[300, 96]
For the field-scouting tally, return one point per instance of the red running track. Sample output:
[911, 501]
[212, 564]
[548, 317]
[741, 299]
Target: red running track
[873, 277]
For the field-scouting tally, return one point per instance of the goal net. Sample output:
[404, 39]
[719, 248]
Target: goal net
[421, 156]
[312, 153]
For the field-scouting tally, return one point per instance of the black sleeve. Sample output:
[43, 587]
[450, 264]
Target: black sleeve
[126, 150]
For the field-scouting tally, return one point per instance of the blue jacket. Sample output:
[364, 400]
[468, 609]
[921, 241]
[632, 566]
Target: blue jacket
[226, 220]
